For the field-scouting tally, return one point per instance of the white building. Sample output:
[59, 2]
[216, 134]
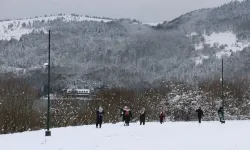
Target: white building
[78, 92]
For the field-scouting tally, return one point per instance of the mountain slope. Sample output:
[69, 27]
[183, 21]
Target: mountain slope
[17, 28]
[112, 52]
[127, 53]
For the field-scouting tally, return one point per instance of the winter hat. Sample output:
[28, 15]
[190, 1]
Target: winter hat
[143, 110]
[100, 109]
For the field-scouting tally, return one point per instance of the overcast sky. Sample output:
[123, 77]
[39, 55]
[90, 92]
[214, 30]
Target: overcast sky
[143, 10]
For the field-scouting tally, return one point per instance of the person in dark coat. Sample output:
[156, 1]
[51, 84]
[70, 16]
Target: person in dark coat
[142, 116]
[162, 117]
[99, 117]
[221, 114]
[127, 115]
[200, 114]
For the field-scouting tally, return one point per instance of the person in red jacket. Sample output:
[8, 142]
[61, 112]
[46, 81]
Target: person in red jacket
[127, 115]
[162, 117]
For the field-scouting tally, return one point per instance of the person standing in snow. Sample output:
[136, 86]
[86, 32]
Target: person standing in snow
[221, 114]
[127, 115]
[162, 117]
[142, 116]
[200, 114]
[99, 117]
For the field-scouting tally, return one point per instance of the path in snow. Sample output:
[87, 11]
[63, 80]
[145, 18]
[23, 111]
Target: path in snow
[234, 135]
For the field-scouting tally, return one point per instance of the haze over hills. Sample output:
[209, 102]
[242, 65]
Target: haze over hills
[127, 53]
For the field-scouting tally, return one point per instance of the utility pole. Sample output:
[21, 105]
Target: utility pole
[222, 90]
[48, 132]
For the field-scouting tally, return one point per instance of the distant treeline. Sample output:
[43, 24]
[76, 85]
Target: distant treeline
[20, 109]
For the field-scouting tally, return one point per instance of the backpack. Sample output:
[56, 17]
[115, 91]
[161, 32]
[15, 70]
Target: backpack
[126, 113]
[162, 115]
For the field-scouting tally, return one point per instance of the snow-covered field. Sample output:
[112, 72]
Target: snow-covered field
[234, 135]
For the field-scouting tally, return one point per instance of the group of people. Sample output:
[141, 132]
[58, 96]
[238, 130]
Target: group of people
[220, 113]
[127, 115]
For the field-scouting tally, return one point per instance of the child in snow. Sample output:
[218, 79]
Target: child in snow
[127, 115]
[142, 116]
[221, 114]
[99, 117]
[200, 114]
[162, 117]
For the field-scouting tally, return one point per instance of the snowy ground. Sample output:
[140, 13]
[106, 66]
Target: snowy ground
[234, 135]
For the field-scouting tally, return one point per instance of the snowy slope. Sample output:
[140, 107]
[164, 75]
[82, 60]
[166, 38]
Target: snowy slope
[199, 60]
[153, 23]
[16, 28]
[233, 135]
[223, 38]
[227, 40]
